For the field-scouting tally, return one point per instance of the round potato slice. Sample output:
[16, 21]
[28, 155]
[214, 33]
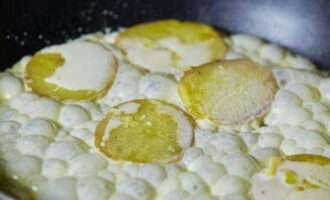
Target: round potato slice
[228, 92]
[144, 131]
[74, 71]
[170, 46]
[296, 177]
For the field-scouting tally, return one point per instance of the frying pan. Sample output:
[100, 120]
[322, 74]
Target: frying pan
[303, 26]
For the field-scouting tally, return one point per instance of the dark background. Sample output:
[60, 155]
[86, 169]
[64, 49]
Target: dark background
[303, 26]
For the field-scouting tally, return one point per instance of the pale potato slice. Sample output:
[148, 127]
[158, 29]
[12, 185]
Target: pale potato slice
[74, 71]
[169, 46]
[296, 177]
[144, 131]
[228, 92]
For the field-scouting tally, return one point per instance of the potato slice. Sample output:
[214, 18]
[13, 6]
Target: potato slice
[160, 46]
[228, 92]
[296, 177]
[74, 71]
[317, 159]
[144, 131]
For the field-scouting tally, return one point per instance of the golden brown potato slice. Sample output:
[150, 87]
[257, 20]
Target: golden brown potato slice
[144, 131]
[74, 71]
[228, 92]
[169, 46]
